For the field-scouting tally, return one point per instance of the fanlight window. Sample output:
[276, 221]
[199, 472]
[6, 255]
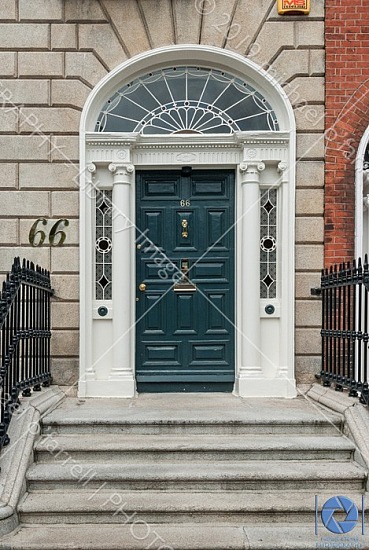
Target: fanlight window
[366, 158]
[186, 100]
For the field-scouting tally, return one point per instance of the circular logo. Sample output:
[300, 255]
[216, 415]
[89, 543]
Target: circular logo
[334, 509]
[205, 7]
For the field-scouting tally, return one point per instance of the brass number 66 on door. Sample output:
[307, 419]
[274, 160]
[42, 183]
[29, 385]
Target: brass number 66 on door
[185, 280]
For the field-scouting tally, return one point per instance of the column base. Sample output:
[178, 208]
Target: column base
[107, 388]
[265, 387]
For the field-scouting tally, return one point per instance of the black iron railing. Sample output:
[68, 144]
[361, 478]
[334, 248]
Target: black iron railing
[345, 323]
[24, 337]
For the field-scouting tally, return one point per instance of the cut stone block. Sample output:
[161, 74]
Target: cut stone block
[159, 10]
[40, 64]
[47, 175]
[28, 92]
[310, 173]
[65, 259]
[84, 65]
[129, 24]
[71, 93]
[310, 201]
[309, 257]
[24, 35]
[63, 36]
[39, 10]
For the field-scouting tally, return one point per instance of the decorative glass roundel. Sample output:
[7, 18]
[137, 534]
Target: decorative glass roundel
[186, 100]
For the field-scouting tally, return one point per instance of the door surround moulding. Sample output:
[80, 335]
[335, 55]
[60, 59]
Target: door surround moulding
[361, 207]
[244, 152]
[196, 150]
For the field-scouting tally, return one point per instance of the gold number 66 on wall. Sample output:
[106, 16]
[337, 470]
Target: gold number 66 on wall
[56, 235]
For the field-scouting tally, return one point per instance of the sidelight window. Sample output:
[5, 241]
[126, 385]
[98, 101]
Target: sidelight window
[268, 243]
[103, 245]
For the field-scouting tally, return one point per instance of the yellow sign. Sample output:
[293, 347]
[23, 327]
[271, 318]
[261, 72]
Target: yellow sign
[293, 7]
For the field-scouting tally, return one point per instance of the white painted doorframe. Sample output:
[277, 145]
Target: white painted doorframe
[265, 343]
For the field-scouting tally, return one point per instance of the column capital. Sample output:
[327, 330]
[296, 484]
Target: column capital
[91, 167]
[251, 171]
[89, 185]
[282, 170]
[282, 167]
[122, 172]
[114, 167]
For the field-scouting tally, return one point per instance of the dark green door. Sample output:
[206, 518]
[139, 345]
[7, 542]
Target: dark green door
[185, 280]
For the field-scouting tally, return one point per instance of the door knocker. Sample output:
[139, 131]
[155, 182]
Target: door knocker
[184, 231]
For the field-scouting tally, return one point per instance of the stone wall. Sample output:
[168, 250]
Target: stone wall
[52, 53]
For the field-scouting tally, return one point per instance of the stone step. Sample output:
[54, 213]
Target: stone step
[171, 507]
[315, 425]
[247, 475]
[178, 536]
[130, 448]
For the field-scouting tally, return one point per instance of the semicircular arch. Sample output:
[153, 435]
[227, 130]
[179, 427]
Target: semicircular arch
[269, 95]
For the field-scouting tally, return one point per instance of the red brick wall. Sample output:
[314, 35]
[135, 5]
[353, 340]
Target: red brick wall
[347, 116]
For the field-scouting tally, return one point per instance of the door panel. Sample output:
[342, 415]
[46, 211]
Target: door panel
[186, 321]
[217, 304]
[210, 270]
[154, 321]
[185, 315]
[216, 225]
[189, 242]
[154, 223]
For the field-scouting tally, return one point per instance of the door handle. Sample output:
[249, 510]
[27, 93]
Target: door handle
[142, 287]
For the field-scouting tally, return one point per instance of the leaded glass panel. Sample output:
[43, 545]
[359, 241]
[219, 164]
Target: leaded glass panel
[268, 243]
[186, 100]
[103, 245]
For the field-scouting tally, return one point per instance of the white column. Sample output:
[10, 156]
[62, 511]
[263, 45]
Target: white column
[285, 383]
[250, 363]
[87, 371]
[287, 329]
[121, 375]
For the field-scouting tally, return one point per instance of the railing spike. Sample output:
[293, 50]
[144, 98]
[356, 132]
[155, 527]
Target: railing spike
[17, 372]
[345, 327]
